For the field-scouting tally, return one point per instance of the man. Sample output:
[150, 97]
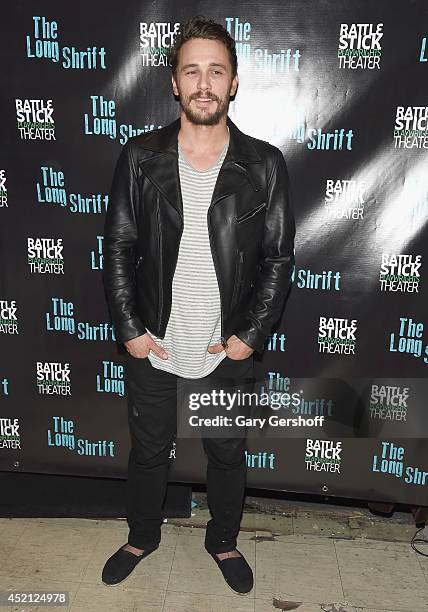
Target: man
[198, 261]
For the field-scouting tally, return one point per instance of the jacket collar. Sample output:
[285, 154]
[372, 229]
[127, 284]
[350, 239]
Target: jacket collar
[165, 140]
[164, 173]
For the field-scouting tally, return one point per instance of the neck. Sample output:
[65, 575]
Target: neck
[202, 138]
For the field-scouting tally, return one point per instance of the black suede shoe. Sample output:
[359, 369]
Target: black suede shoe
[120, 565]
[236, 572]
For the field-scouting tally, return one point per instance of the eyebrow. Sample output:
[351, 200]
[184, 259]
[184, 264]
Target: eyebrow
[196, 65]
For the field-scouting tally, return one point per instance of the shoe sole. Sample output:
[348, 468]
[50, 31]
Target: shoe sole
[117, 583]
[238, 592]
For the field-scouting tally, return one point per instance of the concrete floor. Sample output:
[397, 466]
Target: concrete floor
[309, 558]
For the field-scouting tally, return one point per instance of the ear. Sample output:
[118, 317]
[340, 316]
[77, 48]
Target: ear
[234, 85]
[174, 86]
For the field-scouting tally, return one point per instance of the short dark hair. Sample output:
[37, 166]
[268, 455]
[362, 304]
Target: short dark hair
[202, 27]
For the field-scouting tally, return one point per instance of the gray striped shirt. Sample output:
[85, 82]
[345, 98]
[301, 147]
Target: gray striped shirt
[195, 320]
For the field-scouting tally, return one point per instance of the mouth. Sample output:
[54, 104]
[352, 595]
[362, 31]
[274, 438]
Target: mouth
[203, 100]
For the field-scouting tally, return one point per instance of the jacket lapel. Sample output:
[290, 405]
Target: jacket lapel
[162, 167]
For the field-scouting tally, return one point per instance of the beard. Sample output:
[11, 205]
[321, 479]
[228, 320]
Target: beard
[203, 116]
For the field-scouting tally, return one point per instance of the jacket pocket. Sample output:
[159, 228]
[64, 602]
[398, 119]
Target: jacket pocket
[250, 213]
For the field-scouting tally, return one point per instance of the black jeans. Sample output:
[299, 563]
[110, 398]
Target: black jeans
[152, 418]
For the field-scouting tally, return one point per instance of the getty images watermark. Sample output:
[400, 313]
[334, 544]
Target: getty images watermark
[225, 410]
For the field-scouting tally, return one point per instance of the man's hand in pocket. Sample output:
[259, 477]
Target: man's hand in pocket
[141, 346]
[235, 348]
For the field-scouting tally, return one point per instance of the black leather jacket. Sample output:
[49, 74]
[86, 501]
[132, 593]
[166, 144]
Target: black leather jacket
[251, 229]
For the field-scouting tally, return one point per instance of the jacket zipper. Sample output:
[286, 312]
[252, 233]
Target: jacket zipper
[160, 257]
[250, 214]
[160, 262]
[237, 287]
[213, 251]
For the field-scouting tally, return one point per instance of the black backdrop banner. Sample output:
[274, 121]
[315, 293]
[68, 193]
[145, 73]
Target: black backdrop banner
[342, 89]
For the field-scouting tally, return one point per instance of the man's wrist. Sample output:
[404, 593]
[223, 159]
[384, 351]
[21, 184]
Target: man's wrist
[249, 338]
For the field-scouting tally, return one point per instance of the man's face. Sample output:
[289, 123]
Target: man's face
[204, 81]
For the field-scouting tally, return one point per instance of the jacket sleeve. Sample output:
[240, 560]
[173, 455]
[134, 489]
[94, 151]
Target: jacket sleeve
[277, 260]
[120, 239]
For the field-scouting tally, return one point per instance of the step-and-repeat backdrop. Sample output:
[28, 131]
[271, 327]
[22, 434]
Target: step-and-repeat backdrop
[342, 89]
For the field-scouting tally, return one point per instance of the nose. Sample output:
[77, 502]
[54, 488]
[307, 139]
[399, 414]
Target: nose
[204, 81]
